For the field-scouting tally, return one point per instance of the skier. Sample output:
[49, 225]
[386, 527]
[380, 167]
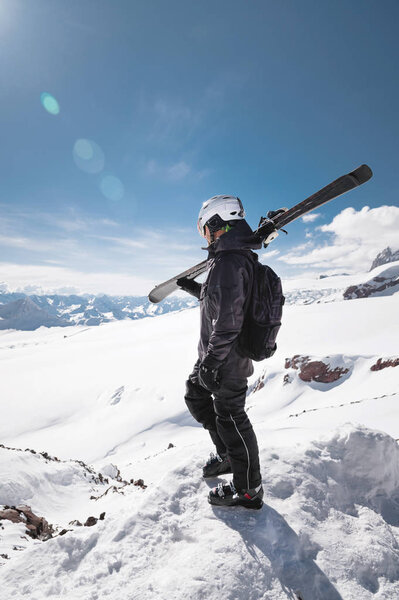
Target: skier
[216, 388]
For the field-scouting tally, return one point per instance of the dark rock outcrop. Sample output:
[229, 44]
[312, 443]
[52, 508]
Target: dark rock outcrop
[387, 282]
[383, 363]
[36, 527]
[314, 370]
[90, 521]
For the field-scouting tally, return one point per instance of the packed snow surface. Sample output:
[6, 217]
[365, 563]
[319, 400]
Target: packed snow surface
[109, 400]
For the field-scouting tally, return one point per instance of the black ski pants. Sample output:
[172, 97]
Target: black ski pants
[223, 415]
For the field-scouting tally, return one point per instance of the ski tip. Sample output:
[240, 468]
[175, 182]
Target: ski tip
[362, 174]
[152, 298]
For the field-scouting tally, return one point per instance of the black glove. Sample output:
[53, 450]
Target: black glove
[190, 286]
[209, 378]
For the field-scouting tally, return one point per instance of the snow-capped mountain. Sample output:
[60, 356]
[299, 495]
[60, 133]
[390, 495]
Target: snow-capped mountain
[102, 463]
[384, 257]
[26, 315]
[91, 310]
[30, 312]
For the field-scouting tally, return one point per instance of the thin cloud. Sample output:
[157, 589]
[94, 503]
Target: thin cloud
[178, 171]
[269, 254]
[51, 279]
[69, 220]
[174, 172]
[31, 244]
[59, 248]
[311, 217]
[76, 222]
[168, 120]
[121, 241]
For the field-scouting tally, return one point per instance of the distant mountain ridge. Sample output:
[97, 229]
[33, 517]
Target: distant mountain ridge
[28, 312]
[20, 311]
[24, 314]
[384, 257]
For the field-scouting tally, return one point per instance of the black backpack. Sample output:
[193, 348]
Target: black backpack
[262, 321]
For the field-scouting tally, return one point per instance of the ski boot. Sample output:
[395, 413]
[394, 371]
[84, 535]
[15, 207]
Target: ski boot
[225, 494]
[216, 465]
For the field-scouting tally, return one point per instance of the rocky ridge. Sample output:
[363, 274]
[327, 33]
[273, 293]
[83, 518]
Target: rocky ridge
[384, 257]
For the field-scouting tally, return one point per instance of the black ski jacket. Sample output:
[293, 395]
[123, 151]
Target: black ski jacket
[224, 300]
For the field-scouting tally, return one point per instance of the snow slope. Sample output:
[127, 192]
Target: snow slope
[113, 395]
[332, 288]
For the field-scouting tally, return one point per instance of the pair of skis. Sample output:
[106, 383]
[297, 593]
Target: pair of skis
[268, 227]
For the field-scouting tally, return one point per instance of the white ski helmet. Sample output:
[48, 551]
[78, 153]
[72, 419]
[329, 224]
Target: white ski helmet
[218, 210]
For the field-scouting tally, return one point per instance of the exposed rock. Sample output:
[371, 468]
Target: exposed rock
[364, 290]
[47, 456]
[171, 446]
[10, 514]
[76, 523]
[383, 363]
[384, 257]
[140, 483]
[314, 370]
[36, 527]
[257, 385]
[386, 282]
[90, 521]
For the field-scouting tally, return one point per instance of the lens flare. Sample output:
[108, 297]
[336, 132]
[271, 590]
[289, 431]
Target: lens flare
[88, 156]
[49, 103]
[112, 187]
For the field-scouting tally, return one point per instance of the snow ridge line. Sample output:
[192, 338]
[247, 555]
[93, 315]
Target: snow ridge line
[344, 404]
[97, 477]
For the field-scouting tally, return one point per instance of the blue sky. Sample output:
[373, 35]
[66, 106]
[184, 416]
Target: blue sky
[180, 101]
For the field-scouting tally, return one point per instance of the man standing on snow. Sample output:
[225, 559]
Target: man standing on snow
[216, 389]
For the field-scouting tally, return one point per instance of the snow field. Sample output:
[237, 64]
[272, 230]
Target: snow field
[113, 395]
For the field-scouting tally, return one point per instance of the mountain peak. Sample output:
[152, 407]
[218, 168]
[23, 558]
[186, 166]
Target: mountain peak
[384, 257]
[25, 314]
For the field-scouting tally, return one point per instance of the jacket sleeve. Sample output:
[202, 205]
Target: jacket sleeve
[227, 293]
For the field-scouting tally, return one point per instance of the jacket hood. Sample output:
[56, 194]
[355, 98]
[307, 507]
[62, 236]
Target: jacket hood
[240, 237]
